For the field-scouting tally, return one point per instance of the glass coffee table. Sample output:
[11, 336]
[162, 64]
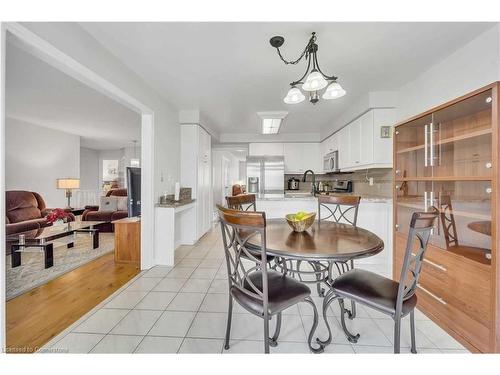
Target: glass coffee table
[43, 239]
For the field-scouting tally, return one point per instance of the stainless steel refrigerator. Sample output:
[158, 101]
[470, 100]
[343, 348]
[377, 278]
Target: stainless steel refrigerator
[269, 171]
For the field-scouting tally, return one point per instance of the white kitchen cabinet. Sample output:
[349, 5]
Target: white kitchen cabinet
[366, 138]
[271, 149]
[330, 144]
[354, 142]
[196, 173]
[344, 148]
[361, 145]
[299, 157]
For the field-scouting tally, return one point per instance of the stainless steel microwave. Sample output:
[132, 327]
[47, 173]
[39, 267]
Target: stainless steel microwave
[331, 162]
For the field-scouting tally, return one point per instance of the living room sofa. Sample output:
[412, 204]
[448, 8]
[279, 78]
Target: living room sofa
[25, 211]
[93, 213]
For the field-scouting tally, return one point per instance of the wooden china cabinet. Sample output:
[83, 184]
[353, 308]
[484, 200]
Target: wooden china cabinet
[447, 157]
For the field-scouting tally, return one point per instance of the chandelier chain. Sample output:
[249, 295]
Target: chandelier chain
[304, 53]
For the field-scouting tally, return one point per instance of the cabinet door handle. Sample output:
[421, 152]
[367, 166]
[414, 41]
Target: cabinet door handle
[439, 299]
[431, 143]
[438, 266]
[426, 144]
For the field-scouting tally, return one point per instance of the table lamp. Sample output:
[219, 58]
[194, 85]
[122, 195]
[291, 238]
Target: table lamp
[69, 184]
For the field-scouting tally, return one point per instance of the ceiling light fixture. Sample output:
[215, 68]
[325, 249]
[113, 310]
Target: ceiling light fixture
[315, 79]
[271, 121]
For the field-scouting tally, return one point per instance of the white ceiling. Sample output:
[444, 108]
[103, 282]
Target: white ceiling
[40, 94]
[230, 72]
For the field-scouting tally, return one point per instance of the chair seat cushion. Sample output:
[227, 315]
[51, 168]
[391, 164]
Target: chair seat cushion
[372, 290]
[283, 292]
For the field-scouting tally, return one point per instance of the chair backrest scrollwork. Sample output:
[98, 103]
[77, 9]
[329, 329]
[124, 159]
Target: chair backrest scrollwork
[345, 208]
[242, 202]
[241, 258]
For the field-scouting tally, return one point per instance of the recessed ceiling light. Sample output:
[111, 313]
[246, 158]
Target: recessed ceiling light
[271, 121]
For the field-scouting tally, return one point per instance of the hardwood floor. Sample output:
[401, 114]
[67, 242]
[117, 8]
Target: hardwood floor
[40, 314]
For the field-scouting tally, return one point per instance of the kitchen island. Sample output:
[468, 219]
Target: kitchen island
[374, 214]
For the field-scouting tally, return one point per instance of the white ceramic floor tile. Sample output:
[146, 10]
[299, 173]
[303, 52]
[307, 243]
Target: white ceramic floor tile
[126, 300]
[186, 262]
[102, 321]
[245, 346]
[197, 286]
[117, 344]
[204, 273]
[201, 346]
[180, 273]
[157, 271]
[370, 333]
[208, 325]
[219, 286]
[321, 332]
[156, 301]
[438, 336]
[455, 351]
[210, 263]
[186, 302]
[387, 326]
[334, 348]
[137, 322]
[173, 323]
[78, 342]
[156, 344]
[144, 284]
[169, 285]
[284, 347]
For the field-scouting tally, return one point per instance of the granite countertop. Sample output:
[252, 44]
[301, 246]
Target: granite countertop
[174, 204]
[307, 197]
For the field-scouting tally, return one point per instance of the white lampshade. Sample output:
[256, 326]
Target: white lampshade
[314, 81]
[294, 96]
[68, 183]
[333, 91]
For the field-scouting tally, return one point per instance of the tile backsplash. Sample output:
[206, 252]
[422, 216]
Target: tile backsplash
[382, 181]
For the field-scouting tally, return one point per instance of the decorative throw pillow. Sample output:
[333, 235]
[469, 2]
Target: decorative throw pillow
[108, 204]
[122, 203]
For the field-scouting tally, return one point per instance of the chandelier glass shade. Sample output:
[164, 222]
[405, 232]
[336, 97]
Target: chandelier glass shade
[294, 96]
[313, 80]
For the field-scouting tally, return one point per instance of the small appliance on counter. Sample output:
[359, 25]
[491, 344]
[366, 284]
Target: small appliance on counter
[342, 186]
[253, 185]
[293, 183]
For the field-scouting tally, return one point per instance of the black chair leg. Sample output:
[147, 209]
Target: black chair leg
[273, 341]
[229, 317]
[397, 335]
[412, 332]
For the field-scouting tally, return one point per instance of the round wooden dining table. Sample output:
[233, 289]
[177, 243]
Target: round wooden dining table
[324, 245]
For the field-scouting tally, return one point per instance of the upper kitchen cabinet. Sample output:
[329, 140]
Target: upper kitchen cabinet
[269, 149]
[299, 157]
[363, 144]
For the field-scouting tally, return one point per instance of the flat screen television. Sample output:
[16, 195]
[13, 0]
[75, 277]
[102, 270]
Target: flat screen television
[134, 191]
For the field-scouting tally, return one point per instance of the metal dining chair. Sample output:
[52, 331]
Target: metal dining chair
[261, 291]
[340, 209]
[396, 299]
[242, 202]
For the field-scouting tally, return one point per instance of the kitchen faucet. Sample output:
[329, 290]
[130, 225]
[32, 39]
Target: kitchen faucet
[313, 190]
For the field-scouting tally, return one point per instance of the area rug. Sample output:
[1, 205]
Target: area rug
[32, 273]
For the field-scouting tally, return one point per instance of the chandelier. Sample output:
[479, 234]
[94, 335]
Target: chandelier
[315, 79]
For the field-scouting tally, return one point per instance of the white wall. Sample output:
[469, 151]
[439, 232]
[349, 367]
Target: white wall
[89, 169]
[473, 66]
[36, 156]
[71, 39]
